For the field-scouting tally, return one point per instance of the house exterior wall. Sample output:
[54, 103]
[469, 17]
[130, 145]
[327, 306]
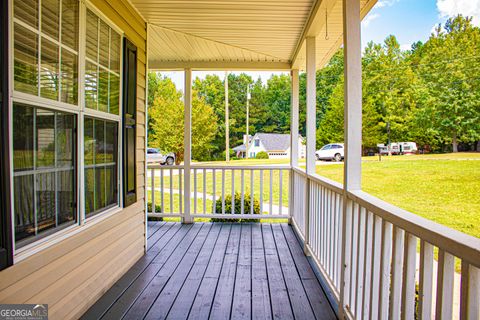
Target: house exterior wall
[279, 154]
[253, 151]
[72, 270]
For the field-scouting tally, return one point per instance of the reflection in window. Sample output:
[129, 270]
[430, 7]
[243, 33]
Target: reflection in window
[101, 160]
[102, 66]
[44, 172]
[58, 63]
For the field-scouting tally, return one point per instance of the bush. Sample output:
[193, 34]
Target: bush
[158, 209]
[261, 155]
[238, 207]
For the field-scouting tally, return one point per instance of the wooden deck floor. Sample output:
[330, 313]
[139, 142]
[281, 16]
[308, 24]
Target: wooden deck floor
[217, 271]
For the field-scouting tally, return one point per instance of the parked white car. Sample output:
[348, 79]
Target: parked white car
[332, 151]
[155, 155]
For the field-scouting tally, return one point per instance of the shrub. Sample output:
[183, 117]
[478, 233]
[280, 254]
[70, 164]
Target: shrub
[261, 155]
[158, 209]
[238, 207]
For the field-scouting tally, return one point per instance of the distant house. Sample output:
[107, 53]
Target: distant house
[276, 145]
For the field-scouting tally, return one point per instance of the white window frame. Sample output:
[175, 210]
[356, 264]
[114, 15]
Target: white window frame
[80, 111]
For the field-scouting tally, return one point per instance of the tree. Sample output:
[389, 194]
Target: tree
[448, 67]
[167, 122]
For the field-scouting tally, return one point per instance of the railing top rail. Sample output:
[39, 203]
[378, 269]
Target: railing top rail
[159, 166]
[457, 243]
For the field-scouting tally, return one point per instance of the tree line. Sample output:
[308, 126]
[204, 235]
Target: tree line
[429, 94]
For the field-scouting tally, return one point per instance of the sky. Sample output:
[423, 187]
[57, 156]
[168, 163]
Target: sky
[408, 20]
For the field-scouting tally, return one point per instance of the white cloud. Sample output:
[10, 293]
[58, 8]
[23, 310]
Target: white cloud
[386, 3]
[405, 46]
[451, 8]
[369, 18]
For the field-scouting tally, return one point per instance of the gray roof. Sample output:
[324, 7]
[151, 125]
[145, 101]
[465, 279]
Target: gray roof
[240, 148]
[274, 141]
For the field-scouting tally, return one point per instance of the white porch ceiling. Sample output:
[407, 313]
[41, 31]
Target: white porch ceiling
[243, 34]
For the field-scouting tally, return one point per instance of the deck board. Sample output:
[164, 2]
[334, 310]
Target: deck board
[217, 271]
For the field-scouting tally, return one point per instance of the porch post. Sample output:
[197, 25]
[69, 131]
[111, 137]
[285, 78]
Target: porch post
[187, 143]
[352, 128]
[294, 119]
[311, 128]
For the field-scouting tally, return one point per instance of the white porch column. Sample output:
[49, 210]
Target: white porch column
[311, 104]
[352, 132]
[187, 143]
[294, 119]
[353, 95]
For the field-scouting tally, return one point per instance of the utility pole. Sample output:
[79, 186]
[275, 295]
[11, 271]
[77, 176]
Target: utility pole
[248, 110]
[227, 129]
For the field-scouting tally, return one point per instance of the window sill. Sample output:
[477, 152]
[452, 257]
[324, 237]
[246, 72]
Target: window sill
[42, 244]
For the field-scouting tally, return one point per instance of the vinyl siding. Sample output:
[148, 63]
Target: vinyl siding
[73, 273]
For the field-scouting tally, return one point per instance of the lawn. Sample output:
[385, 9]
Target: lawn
[440, 187]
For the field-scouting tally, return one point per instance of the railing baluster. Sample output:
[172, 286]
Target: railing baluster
[385, 270]
[445, 276]
[354, 255]
[360, 261]
[375, 270]
[204, 191]
[367, 275]
[233, 192]
[426, 281]
[470, 292]
[214, 193]
[242, 199]
[171, 190]
[223, 191]
[180, 181]
[153, 189]
[162, 195]
[194, 190]
[280, 205]
[251, 191]
[408, 293]
[397, 274]
[261, 191]
[271, 192]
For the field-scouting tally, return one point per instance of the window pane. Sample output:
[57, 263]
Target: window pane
[100, 185]
[65, 196]
[27, 11]
[91, 82]
[100, 141]
[89, 190]
[69, 73]
[111, 176]
[23, 206]
[111, 142]
[115, 47]
[92, 35]
[50, 18]
[45, 138]
[49, 70]
[89, 141]
[104, 44]
[103, 90]
[65, 140]
[45, 201]
[25, 60]
[70, 23]
[114, 93]
[22, 138]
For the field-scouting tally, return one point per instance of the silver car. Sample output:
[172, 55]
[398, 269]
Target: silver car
[155, 155]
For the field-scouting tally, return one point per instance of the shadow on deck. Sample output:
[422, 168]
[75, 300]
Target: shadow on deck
[217, 271]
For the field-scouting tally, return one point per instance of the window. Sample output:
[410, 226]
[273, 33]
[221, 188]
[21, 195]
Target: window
[102, 65]
[44, 171]
[47, 109]
[257, 142]
[101, 148]
[46, 49]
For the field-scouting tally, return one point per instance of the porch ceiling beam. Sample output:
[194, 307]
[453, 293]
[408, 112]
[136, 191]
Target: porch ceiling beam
[219, 65]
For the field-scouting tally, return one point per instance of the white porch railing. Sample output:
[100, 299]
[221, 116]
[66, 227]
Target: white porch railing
[221, 191]
[396, 264]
